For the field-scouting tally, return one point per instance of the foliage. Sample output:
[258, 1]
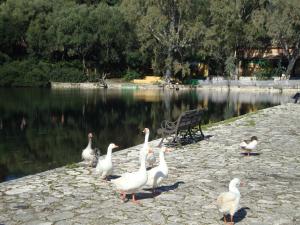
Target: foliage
[66, 72]
[280, 21]
[32, 73]
[145, 36]
[4, 58]
[230, 65]
[24, 73]
[167, 30]
[182, 69]
[265, 70]
[279, 70]
[130, 75]
[228, 30]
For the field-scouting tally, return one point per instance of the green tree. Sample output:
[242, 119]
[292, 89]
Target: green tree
[281, 20]
[13, 24]
[94, 34]
[167, 30]
[23, 25]
[228, 31]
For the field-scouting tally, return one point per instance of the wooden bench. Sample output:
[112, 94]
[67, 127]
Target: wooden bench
[188, 122]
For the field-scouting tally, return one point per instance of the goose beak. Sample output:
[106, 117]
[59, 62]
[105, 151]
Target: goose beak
[116, 146]
[150, 151]
[242, 184]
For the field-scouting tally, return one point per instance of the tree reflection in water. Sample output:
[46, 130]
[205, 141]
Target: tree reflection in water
[42, 129]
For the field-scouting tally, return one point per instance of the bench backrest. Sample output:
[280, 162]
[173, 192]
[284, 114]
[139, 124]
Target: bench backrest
[188, 119]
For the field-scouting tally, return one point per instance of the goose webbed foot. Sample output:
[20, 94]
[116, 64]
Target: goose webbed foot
[123, 196]
[135, 201]
[231, 220]
[225, 219]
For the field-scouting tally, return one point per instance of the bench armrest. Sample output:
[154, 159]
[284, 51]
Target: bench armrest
[168, 124]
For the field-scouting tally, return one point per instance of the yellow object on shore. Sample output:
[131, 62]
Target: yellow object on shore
[147, 80]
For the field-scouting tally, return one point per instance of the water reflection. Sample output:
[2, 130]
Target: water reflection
[42, 129]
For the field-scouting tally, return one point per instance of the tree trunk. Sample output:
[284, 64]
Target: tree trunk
[172, 31]
[291, 65]
[170, 59]
[236, 70]
[83, 65]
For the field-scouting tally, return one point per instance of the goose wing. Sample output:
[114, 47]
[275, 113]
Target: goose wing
[225, 200]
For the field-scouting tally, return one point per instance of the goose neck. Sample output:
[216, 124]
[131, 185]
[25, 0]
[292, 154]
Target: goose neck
[143, 163]
[162, 157]
[89, 143]
[109, 152]
[146, 138]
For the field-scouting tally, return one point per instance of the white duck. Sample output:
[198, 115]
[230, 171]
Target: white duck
[228, 202]
[249, 145]
[129, 183]
[88, 154]
[158, 173]
[105, 165]
[151, 159]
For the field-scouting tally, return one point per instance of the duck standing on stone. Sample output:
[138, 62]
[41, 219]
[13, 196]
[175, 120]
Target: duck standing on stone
[105, 166]
[130, 183]
[151, 159]
[157, 174]
[249, 145]
[89, 155]
[228, 202]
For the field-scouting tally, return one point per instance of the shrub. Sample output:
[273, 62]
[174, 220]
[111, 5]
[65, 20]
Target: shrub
[66, 73]
[23, 73]
[29, 73]
[265, 70]
[130, 75]
[4, 58]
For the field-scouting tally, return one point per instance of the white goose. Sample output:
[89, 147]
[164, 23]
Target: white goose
[158, 173]
[105, 165]
[228, 202]
[151, 159]
[249, 145]
[129, 183]
[88, 154]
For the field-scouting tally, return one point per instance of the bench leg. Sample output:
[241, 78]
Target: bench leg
[201, 131]
[186, 133]
[191, 136]
[161, 141]
[175, 138]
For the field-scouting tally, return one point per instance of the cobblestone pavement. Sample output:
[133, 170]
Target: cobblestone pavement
[197, 174]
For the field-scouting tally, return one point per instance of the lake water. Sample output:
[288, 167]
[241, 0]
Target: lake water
[41, 129]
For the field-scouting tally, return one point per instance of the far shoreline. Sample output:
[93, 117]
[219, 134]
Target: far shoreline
[278, 86]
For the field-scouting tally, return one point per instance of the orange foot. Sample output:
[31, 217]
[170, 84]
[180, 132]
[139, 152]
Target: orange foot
[135, 201]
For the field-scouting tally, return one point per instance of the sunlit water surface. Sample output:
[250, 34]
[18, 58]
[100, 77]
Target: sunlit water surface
[41, 129]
